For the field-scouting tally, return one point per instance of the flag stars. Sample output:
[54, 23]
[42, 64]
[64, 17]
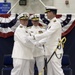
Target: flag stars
[69, 17]
[66, 21]
[42, 18]
[62, 24]
[46, 22]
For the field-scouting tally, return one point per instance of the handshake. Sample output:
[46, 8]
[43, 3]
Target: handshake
[31, 39]
[36, 42]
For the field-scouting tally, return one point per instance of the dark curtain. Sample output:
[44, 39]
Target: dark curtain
[6, 46]
[70, 48]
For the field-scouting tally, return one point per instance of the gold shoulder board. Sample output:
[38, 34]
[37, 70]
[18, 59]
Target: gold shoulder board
[54, 20]
[21, 26]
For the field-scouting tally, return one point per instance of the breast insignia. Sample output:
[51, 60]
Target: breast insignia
[26, 31]
[49, 27]
[40, 32]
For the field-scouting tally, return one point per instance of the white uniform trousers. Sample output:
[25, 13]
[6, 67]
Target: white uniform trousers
[40, 64]
[54, 66]
[20, 67]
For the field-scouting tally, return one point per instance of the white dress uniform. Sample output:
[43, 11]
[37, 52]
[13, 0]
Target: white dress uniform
[38, 52]
[22, 52]
[51, 38]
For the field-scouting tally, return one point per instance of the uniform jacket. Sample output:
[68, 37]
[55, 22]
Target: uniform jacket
[38, 51]
[22, 47]
[51, 37]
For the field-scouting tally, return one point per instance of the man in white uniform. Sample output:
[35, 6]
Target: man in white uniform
[22, 50]
[50, 38]
[38, 52]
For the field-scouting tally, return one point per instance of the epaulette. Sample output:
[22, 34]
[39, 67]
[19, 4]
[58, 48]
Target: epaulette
[21, 26]
[54, 21]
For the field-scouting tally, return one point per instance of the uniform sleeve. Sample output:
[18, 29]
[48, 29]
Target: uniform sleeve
[42, 41]
[54, 27]
[21, 37]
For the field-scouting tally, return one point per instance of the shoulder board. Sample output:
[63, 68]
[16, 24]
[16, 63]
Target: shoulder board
[21, 26]
[54, 21]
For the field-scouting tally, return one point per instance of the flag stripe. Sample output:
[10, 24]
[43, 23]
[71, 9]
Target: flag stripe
[9, 22]
[69, 29]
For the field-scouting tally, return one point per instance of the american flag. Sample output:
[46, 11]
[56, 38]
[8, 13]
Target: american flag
[67, 22]
[9, 22]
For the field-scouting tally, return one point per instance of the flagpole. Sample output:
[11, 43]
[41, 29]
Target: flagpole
[42, 3]
[13, 6]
